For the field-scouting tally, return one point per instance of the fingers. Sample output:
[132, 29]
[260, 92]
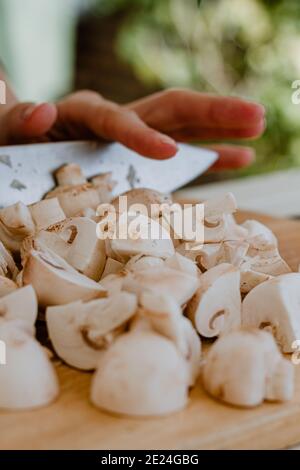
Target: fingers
[232, 157]
[27, 121]
[177, 108]
[109, 121]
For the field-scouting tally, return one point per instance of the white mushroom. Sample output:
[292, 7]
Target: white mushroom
[6, 286]
[166, 318]
[20, 304]
[216, 306]
[76, 241]
[47, 212]
[74, 199]
[274, 305]
[112, 266]
[141, 262]
[245, 367]
[16, 223]
[104, 185]
[181, 263]
[152, 201]
[70, 174]
[28, 379]
[141, 374]
[56, 282]
[162, 281]
[80, 332]
[255, 228]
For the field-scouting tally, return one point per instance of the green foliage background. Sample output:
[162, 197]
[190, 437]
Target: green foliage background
[248, 48]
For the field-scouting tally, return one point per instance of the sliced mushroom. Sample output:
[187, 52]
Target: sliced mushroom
[141, 262]
[70, 174]
[28, 379]
[181, 263]
[216, 306]
[80, 332]
[76, 241]
[8, 267]
[274, 305]
[114, 283]
[166, 318]
[74, 199]
[55, 281]
[104, 185]
[255, 228]
[112, 266]
[162, 281]
[141, 374]
[47, 212]
[148, 198]
[20, 304]
[16, 223]
[6, 286]
[245, 367]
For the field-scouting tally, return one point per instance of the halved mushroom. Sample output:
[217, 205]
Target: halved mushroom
[20, 304]
[141, 374]
[8, 266]
[166, 318]
[162, 281]
[245, 367]
[274, 305]
[74, 199]
[70, 174]
[141, 262]
[80, 332]
[47, 212]
[6, 286]
[76, 241]
[216, 307]
[136, 235]
[55, 281]
[16, 223]
[150, 199]
[28, 379]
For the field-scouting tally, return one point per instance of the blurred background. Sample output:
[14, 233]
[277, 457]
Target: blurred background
[126, 49]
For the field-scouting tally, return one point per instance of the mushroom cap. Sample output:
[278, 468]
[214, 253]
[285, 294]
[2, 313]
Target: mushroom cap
[181, 263]
[274, 305]
[141, 262]
[56, 282]
[16, 223]
[142, 374]
[255, 228]
[70, 174]
[74, 199]
[216, 306]
[80, 332]
[28, 379]
[180, 285]
[20, 304]
[245, 367]
[149, 198]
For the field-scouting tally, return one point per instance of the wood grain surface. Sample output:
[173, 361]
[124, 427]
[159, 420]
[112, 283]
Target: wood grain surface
[72, 423]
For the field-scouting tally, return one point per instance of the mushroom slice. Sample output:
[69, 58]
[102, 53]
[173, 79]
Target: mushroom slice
[216, 306]
[76, 241]
[141, 262]
[181, 263]
[80, 332]
[55, 281]
[104, 185]
[112, 266]
[8, 267]
[216, 207]
[20, 304]
[141, 374]
[6, 286]
[70, 174]
[113, 283]
[245, 367]
[166, 318]
[28, 379]
[250, 279]
[162, 281]
[16, 223]
[136, 235]
[255, 228]
[151, 200]
[274, 305]
[74, 199]
[47, 212]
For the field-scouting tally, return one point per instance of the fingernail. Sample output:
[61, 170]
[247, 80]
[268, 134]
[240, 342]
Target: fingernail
[165, 139]
[27, 112]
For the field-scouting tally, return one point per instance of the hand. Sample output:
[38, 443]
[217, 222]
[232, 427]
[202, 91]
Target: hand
[149, 126]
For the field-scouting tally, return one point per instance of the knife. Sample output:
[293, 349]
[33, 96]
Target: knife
[26, 171]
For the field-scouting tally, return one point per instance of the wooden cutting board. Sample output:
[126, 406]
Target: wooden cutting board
[72, 423]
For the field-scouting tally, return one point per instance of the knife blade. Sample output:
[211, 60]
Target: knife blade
[26, 171]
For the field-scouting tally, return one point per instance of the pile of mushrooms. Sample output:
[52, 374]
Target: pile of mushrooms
[133, 310]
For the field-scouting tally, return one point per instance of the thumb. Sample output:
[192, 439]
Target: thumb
[28, 120]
